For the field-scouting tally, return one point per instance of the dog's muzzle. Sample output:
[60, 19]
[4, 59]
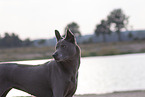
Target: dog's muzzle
[55, 56]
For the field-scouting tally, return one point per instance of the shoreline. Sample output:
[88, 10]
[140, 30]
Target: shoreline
[81, 57]
[87, 50]
[134, 93]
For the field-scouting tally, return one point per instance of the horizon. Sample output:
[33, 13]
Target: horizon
[37, 19]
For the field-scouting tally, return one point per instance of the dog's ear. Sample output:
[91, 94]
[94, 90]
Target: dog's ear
[58, 36]
[69, 36]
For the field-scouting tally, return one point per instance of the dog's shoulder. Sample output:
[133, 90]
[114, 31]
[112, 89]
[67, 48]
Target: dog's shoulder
[51, 63]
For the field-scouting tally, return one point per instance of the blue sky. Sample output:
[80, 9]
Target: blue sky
[39, 18]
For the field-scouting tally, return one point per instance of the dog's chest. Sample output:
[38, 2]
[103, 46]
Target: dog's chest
[70, 85]
[71, 82]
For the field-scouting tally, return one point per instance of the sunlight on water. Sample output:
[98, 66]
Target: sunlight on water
[112, 73]
[105, 74]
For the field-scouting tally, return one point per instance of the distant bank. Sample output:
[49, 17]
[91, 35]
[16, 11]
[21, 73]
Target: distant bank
[88, 49]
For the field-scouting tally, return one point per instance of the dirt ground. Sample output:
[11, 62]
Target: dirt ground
[117, 94]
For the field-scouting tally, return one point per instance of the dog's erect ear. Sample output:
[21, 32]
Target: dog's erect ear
[58, 36]
[70, 36]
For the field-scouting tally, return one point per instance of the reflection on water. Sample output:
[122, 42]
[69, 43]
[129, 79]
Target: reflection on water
[112, 73]
[107, 74]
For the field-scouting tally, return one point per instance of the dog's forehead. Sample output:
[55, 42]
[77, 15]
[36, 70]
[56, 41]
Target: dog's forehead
[63, 42]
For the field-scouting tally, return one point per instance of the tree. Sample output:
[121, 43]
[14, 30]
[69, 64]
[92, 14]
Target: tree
[130, 35]
[103, 28]
[120, 20]
[13, 40]
[10, 40]
[27, 42]
[16, 41]
[6, 41]
[74, 27]
[42, 41]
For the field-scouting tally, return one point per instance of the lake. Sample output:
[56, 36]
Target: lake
[105, 74]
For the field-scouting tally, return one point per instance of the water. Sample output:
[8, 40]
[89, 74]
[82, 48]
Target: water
[112, 73]
[106, 74]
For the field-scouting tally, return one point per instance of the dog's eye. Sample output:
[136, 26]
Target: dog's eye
[63, 46]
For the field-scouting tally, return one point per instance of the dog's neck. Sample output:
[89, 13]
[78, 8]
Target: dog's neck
[72, 65]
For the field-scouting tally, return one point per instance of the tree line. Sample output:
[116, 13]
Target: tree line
[13, 40]
[116, 21]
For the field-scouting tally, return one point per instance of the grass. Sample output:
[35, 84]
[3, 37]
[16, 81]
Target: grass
[94, 49]
[102, 49]
[27, 53]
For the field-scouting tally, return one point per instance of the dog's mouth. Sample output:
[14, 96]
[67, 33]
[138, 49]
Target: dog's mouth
[57, 59]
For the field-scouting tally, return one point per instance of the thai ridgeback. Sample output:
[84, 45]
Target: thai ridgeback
[57, 78]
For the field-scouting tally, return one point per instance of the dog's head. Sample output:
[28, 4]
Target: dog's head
[65, 47]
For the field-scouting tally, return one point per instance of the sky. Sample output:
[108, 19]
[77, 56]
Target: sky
[36, 19]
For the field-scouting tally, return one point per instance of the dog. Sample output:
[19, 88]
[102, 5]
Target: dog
[57, 78]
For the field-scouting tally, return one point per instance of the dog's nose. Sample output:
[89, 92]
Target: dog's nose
[55, 54]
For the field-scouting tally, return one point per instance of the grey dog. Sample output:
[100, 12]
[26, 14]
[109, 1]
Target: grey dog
[57, 78]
